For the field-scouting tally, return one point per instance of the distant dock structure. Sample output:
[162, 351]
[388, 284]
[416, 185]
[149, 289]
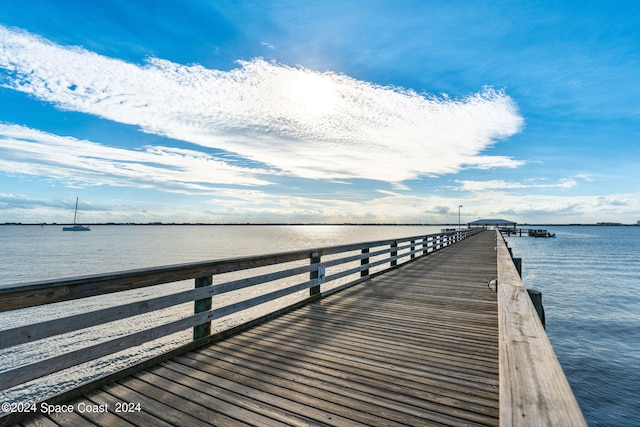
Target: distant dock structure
[501, 224]
[509, 228]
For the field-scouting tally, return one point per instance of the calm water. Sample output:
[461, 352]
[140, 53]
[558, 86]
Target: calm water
[589, 276]
[33, 253]
[590, 280]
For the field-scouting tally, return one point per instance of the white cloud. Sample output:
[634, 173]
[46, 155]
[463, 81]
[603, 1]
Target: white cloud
[256, 205]
[252, 204]
[267, 45]
[508, 185]
[613, 201]
[27, 151]
[585, 177]
[538, 208]
[305, 123]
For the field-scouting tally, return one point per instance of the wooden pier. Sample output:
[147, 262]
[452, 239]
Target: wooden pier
[426, 341]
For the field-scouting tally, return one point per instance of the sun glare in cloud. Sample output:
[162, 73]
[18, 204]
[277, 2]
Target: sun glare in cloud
[313, 93]
[297, 121]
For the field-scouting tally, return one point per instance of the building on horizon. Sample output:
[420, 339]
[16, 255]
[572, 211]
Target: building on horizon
[493, 223]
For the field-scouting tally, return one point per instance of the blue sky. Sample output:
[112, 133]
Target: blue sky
[328, 111]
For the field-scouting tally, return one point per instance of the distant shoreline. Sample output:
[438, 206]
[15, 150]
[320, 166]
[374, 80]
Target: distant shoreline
[600, 224]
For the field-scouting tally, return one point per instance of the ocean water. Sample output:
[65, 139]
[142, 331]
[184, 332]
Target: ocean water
[34, 253]
[590, 280]
[589, 277]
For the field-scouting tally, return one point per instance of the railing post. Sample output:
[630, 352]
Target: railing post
[314, 259]
[203, 330]
[364, 261]
[425, 245]
[413, 248]
[394, 253]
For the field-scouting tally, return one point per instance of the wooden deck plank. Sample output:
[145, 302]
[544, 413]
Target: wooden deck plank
[366, 351]
[372, 359]
[360, 411]
[161, 392]
[40, 421]
[215, 410]
[375, 323]
[70, 419]
[354, 400]
[391, 341]
[391, 373]
[243, 407]
[161, 409]
[372, 400]
[389, 331]
[414, 346]
[308, 374]
[142, 418]
[357, 371]
[107, 419]
[306, 405]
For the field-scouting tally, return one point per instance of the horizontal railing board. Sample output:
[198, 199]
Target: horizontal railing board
[42, 330]
[25, 373]
[348, 272]
[50, 291]
[56, 291]
[533, 388]
[363, 267]
[375, 243]
[37, 331]
[339, 261]
[252, 302]
[377, 253]
[236, 285]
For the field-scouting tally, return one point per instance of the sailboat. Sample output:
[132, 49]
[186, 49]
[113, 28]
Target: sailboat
[76, 226]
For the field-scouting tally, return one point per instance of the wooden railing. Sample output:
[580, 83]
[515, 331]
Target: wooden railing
[324, 265]
[533, 388]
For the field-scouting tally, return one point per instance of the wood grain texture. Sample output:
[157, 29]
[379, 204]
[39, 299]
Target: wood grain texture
[533, 388]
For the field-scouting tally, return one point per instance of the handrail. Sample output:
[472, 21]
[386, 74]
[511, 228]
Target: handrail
[54, 291]
[46, 292]
[533, 388]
